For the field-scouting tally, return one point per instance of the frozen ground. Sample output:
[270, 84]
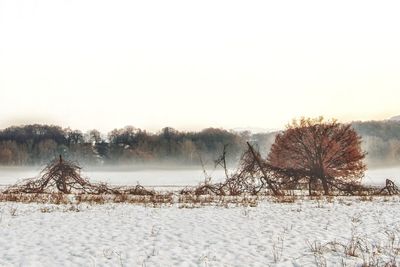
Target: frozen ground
[282, 234]
[164, 177]
[177, 177]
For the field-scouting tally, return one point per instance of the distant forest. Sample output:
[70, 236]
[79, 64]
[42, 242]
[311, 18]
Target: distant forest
[37, 144]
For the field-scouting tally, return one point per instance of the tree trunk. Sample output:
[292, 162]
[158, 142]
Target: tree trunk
[258, 161]
[325, 185]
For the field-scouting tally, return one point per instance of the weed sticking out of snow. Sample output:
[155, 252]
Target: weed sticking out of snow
[359, 248]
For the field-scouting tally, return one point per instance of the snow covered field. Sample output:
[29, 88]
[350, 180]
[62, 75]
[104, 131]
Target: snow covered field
[277, 234]
[343, 231]
[177, 177]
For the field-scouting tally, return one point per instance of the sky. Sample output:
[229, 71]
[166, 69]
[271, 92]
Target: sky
[195, 64]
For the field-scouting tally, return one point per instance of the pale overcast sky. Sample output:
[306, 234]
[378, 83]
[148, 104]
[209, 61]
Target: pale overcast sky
[194, 64]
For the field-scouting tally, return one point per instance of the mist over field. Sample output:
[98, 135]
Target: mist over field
[168, 157]
[130, 147]
[174, 175]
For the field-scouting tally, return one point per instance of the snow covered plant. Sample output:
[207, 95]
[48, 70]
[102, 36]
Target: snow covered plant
[359, 248]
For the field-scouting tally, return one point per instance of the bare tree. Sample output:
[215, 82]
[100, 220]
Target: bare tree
[320, 152]
[65, 177]
[253, 176]
[60, 175]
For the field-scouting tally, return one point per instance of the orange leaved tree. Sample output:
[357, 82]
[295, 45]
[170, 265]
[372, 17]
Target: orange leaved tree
[322, 153]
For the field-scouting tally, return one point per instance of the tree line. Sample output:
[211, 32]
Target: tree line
[37, 144]
[381, 140]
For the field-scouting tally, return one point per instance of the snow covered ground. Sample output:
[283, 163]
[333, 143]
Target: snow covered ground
[271, 234]
[177, 177]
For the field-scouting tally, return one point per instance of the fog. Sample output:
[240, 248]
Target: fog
[125, 175]
[162, 176]
[378, 176]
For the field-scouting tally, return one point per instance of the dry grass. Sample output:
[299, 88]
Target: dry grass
[54, 198]
[168, 198]
[156, 200]
[359, 248]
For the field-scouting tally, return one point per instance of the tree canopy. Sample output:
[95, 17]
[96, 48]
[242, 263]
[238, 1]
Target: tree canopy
[324, 153]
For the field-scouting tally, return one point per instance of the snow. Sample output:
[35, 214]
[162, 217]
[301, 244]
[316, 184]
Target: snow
[304, 233]
[176, 177]
[164, 177]
[133, 235]
[147, 177]
[379, 176]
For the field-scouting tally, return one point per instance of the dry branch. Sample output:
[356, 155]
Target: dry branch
[390, 188]
[65, 177]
